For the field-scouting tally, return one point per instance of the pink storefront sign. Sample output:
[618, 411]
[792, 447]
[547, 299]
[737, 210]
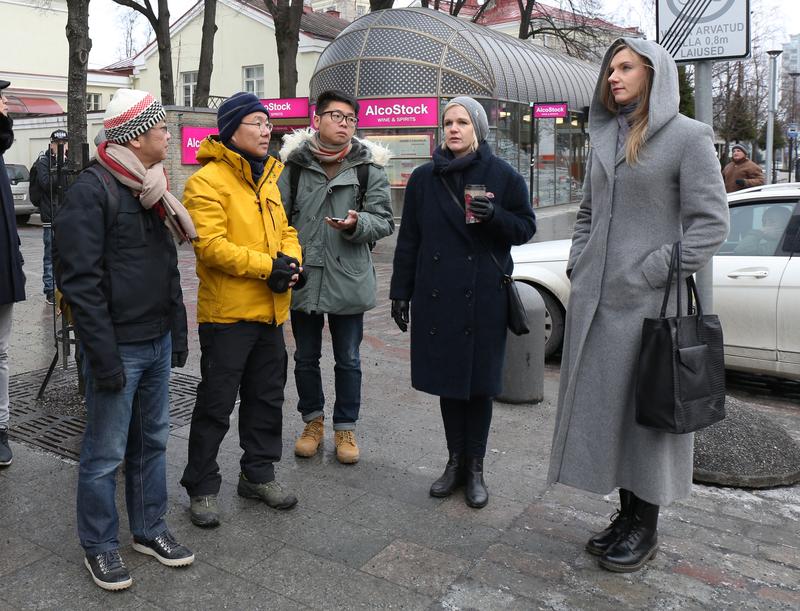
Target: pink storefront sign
[402, 112]
[550, 110]
[191, 137]
[286, 108]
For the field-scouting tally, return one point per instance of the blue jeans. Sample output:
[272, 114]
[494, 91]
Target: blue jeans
[47, 260]
[130, 425]
[346, 334]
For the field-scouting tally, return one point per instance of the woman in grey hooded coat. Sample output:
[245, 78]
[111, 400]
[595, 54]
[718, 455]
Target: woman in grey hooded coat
[652, 178]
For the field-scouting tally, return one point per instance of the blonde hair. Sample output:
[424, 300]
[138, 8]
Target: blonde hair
[472, 147]
[638, 121]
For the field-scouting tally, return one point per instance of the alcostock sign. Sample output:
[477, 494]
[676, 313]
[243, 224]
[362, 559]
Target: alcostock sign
[402, 112]
[694, 30]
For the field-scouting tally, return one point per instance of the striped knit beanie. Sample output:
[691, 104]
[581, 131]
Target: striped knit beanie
[233, 110]
[131, 113]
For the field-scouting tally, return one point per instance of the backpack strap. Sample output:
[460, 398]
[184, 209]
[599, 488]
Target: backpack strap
[294, 180]
[111, 190]
[362, 172]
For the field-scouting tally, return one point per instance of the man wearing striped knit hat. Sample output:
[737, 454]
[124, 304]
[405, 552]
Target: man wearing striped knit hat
[117, 268]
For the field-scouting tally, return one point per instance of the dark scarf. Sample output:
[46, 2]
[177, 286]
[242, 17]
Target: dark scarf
[452, 168]
[256, 163]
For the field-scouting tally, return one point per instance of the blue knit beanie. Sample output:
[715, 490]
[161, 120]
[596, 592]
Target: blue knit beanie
[233, 110]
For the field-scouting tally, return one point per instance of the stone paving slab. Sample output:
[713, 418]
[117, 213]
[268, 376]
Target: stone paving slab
[369, 535]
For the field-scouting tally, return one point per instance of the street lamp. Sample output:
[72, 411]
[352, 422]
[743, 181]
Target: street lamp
[773, 72]
[793, 141]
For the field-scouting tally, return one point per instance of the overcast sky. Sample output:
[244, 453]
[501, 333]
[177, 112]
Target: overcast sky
[106, 44]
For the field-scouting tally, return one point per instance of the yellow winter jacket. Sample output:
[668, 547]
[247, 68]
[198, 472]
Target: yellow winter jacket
[241, 228]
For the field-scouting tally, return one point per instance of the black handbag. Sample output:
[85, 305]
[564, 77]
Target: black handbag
[680, 383]
[516, 315]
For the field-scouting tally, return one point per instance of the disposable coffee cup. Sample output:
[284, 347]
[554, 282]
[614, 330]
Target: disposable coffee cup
[471, 191]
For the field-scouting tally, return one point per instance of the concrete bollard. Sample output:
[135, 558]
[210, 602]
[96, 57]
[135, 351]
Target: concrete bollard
[523, 372]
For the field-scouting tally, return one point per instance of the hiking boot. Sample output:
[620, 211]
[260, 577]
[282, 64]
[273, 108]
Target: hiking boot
[346, 448]
[204, 511]
[269, 492]
[310, 439]
[108, 570]
[165, 549]
[6, 458]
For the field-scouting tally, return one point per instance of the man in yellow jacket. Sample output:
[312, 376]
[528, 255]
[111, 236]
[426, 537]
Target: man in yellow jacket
[248, 260]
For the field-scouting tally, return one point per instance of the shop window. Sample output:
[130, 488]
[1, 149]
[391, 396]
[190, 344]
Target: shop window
[253, 77]
[94, 101]
[188, 85]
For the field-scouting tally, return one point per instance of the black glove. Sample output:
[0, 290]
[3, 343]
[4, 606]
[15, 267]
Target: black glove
[400, 314]
[179, 359]
[288, 259]
[281, 275]
[740, 182]
[113, 383]
[301, 281]
[481, 208]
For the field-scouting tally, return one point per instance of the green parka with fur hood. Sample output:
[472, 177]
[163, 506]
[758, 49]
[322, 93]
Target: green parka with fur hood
[340, 275]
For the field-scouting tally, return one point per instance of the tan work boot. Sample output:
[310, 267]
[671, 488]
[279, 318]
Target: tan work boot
[346, 448]
[308, 442]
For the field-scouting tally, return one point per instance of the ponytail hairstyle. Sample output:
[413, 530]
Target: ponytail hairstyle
[638, 118]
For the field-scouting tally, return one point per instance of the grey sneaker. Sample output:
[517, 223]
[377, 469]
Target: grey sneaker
[165, 549]
[269, 492]
[108, 570]
[204, 511]
[6, 458]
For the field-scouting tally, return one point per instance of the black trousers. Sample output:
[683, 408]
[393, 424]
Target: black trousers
[466, 424]
[248, 358]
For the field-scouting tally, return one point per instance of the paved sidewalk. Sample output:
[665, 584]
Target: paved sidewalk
[369, 536]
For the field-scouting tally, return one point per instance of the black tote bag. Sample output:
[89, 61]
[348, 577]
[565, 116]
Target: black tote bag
[680, 384]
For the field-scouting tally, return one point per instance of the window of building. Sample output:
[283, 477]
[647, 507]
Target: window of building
[254, 80]
[94, 101]
[189, 80]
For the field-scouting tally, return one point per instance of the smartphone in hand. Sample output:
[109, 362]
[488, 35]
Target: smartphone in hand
[336, 219]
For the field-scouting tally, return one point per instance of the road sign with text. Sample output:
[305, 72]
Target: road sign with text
[695, 30]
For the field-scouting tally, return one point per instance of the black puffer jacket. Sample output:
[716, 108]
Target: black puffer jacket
[12, 280]
[119, 276]
[48, 183]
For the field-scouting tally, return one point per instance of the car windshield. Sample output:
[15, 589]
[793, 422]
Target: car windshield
[16, 172]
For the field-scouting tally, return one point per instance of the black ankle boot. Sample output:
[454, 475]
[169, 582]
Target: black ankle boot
[476, 494]
[638, 545]
[620, 521]
[452, 477]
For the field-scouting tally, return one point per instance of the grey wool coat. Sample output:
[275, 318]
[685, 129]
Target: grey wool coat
[627, 222]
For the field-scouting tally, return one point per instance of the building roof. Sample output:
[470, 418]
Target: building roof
[420, 52]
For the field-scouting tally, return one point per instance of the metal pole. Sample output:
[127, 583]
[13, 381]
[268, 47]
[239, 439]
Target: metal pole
[793, 141]
[704, 112]
[773, 72]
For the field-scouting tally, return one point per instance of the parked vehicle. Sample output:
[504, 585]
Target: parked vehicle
[19, 178]
[756, 281]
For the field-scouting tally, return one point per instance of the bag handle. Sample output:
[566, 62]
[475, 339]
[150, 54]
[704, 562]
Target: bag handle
[506, 277]
[693, 297]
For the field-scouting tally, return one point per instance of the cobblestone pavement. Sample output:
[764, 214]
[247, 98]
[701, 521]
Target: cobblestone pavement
[369, 536]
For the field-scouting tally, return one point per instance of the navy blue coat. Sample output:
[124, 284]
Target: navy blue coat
[12, 280]
[443, 267]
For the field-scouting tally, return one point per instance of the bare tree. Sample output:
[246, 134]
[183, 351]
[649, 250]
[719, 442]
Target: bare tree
[160, 25]
[128, 25]
[286, 16]
[206, 66]
[574, 26]
[79, 46]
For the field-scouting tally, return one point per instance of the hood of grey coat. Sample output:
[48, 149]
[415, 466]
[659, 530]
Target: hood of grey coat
[363, 150]
[664, 96]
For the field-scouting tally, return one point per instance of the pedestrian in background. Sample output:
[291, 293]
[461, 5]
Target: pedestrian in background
[741, 173]
[12, 278]
[118, 271]
[336, 193]
[48, 189]
[248, 259]
[447, 273]
[658, 173]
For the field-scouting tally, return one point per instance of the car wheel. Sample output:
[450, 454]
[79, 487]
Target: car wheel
[553, 323]
[23, 218]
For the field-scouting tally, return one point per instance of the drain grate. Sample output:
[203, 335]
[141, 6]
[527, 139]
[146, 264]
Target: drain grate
[57, 421]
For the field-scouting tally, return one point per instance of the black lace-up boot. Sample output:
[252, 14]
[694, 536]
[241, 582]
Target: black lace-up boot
[600, 542]
[638, 545]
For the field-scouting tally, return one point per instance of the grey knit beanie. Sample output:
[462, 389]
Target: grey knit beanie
[742, 147]
[480, 123]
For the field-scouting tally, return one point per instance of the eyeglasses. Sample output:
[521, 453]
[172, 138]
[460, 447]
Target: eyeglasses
[338, 117]
[261, 125]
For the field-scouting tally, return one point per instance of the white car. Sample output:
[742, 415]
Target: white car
[756, 282]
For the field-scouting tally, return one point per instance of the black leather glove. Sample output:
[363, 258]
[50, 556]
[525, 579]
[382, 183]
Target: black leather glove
[740, 182]
[179, 359]
[113, 383]
[400, 314]
[281, 275]
[481, 208]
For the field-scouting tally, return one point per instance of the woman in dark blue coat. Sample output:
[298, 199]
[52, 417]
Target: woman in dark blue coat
[458, 304]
